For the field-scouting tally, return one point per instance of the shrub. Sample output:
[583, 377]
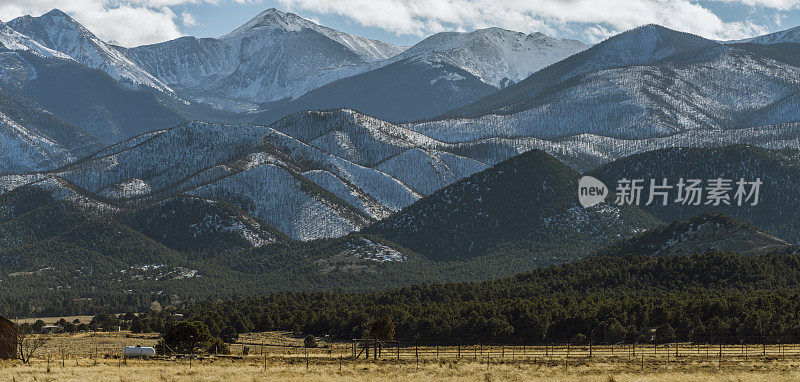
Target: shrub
[187, 337]
[310, 341]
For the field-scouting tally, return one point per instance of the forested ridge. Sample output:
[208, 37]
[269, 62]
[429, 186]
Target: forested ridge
[703, 297]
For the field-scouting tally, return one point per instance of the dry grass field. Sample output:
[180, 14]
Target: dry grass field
[280, 369]
[72, 358]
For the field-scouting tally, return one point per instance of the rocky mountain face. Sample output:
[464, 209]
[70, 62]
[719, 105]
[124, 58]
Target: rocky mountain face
[273, 57]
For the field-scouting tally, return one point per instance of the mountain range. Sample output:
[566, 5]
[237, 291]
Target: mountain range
[288, 148]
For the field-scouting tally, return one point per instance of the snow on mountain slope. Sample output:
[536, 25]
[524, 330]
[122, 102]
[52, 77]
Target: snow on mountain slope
[586, 151]
[426, 171]
[216, 162]
[13, 40]
[785, 110]
[644, 45]
[444, 71]
[711, 89]
[346, 168]
[277, 196]
[294, 185]
[351, 135]
[381, 186]
[60, 32]
[272, 57]
[24, 150]
[370, 50]
[277, 178]
[497, 56]
[348, 192]
[786, 36]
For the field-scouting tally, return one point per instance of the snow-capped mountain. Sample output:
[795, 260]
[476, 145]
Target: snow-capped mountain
[786, 36]
[663, 89]
[498, 57]
[639, 46]
[442, 72]
[318, 174]
[272, 19]
[272, 57]
[80, 87]
[58, 31]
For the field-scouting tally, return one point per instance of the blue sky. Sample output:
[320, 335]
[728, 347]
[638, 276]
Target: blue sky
[405, 22]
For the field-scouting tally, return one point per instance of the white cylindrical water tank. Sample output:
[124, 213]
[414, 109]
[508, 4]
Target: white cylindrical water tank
[138, 351]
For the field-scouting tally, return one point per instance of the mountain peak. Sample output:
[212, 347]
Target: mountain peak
[274, 19]
[55, 12]
[54, 22]
[58, 31]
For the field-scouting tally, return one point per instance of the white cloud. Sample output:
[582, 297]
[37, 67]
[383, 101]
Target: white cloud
[135, 22]
[774, 4]
[128, 22]
[422, 17]
[187, 19]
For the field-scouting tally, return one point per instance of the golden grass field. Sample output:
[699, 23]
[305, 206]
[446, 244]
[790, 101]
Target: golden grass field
[72, 358]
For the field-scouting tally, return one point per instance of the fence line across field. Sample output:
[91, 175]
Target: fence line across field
[724, 349]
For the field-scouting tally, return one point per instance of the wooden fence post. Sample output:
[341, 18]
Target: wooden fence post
[416, 352]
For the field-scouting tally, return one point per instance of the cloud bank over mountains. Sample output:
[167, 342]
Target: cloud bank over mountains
[137, 22]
